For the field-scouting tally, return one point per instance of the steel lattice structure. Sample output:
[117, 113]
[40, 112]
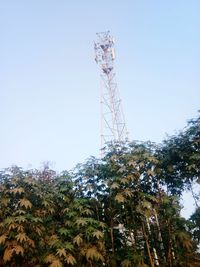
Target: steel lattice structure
[113, 126]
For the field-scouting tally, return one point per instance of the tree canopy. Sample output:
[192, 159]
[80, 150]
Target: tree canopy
[121, 210]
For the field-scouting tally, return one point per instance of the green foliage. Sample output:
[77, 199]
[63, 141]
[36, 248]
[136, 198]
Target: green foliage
[122, 210]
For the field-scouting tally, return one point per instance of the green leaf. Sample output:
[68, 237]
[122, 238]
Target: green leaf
[20, 219]
[64, 231]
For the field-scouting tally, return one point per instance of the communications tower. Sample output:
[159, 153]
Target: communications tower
[113, 126]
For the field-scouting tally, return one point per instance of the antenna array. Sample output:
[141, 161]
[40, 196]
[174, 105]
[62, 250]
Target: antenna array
[113, 126]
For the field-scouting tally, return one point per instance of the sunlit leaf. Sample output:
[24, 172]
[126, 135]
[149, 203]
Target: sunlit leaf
[31, 243]
[21, 237]
[3, 238]
[8, 254]
[124, 181]
[18, 250]
[114, 185]
[98, 234]
[19, 190]
[56, 263]
[50, 258]
[119, 198]
[61, 252]
[128, 192]
[81, 222]
[12, 226]
[77, 240]
[93, 254]
[53, 240]
[70, 259]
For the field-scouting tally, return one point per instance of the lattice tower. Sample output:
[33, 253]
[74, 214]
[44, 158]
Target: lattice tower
[113, 126]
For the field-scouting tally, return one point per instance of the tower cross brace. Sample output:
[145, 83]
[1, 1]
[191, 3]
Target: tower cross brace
[113, 126]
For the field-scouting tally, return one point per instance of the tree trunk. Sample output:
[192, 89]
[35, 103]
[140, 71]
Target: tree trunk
[147, 246]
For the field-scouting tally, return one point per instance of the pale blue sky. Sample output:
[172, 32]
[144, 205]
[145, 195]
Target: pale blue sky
[49, 82]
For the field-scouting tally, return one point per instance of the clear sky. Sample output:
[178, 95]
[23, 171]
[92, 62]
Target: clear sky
[50, 85]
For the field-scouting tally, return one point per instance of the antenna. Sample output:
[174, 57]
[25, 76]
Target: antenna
[113, 126]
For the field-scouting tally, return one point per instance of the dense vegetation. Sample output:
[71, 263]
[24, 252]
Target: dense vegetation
[122, 210]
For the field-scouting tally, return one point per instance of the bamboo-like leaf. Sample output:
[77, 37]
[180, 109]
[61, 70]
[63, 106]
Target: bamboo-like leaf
[3, 239]
[20, 219]
[51, 210]
[31, 243]
[77, 240]
[150, 173]
[142, 264]
[68, 222]
[20, 212]
[70, 259]
[93, 254]
[185, 240]
[132, 163]
[126, 263]
[128, 192]
[5, 201]
[46, 203]
[38, 231]
[53, 240]
[114, 185]
[119, 198]
[61, 252]
[81, 222]
[68, 246]
[124, 181]
[19, 190]
[36, 219]
[8, 254]
[12, 226]
[86, 211]
[56, 263]
[122, 169]
[20, 228]
[98, 234]
[50, 258]
[25, 203]
[21, 237]
[9, 220]
[18, 250]
[101, 245]
[66, 210]
[102, 225]
[64, 231]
